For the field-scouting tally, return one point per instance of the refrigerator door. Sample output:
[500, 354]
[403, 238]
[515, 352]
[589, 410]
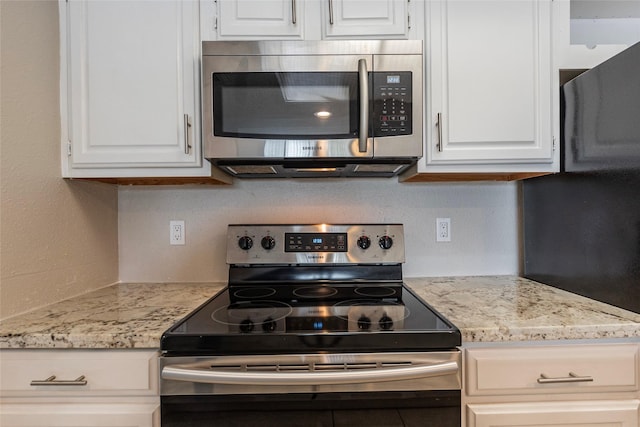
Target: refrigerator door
[601, 116]
[582, 234]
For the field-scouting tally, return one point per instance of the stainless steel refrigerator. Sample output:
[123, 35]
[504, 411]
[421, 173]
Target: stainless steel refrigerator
[581, 227]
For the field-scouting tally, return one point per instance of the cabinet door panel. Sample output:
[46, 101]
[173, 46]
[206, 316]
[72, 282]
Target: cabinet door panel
[243, 19]
[556, 414]
[79, 415]
[371, 19]
[491, 81]
[131, 79]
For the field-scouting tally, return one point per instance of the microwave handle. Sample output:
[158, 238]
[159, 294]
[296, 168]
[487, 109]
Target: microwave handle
[363, 77]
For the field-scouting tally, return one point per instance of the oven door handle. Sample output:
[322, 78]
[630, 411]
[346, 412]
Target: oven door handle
[211, 376]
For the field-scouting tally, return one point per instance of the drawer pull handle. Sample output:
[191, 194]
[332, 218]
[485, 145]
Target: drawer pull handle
[572, 378]
[53, 381]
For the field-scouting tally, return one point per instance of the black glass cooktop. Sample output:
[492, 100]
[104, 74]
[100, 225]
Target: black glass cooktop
[319, 318]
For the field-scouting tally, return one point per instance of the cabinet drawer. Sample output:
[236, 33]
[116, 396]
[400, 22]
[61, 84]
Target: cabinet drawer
[568, 369]
[106, 372]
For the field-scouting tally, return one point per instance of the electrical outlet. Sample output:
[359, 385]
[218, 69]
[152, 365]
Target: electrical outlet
[176, 232]
[443, 229]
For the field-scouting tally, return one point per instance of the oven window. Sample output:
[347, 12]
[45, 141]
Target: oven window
[302, 105]
[401, 409]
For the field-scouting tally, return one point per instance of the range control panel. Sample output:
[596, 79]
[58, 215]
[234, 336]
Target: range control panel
[315, 244]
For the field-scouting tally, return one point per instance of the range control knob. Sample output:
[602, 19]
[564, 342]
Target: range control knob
[385, 323]
[364, 323]
[268, 243]
[246, 326]
[363, 242]
[385, 242]
[245, 243]
[269, 325]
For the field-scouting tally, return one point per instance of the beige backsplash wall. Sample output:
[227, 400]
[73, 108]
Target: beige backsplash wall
[58, 238]
[484, 222]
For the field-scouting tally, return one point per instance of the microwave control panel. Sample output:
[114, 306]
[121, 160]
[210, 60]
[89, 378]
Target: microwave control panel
[392, 103]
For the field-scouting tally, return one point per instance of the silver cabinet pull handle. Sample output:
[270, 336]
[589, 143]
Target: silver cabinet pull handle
[187, 140]
[53, 381]
[572, 378]
[330, 12]
[293, 12]
[439, 126]
[208, 376]
[363, 77]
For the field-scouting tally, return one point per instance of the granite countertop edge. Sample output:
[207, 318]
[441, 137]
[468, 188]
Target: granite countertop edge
[484, 308]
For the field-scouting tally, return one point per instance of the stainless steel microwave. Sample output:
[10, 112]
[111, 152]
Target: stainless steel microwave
[312, 108]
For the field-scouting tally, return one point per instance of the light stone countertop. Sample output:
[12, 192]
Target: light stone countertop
[484, 308]
[508, 308]
[116, 317]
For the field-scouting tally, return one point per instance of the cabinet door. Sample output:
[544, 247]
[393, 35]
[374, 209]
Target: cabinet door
[129, 96]
[370, 19]
[79, 415]
[556, 414]
[490, 82]
[246, 19]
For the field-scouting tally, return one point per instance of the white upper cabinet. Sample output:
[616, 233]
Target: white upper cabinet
[282, 19]
[305, 19]
[129, 89]
[490, 88]
[371, 19]
[490, 75]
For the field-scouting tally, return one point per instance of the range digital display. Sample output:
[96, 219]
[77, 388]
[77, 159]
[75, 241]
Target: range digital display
[315, 242]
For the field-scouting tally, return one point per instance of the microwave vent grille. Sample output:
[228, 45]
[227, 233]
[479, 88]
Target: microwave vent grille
[251, 169]
[369, 168]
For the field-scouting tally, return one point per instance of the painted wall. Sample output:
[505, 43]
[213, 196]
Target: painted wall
[484, 223]
[58, 238]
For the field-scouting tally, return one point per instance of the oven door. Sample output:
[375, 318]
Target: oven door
[287, 106]
[391, 389]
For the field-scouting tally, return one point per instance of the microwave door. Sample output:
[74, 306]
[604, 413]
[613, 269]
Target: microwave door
[288, 106]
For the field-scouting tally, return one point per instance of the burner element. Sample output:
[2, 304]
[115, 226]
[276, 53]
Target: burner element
[254, 293]
[315, 291]
[375, 291]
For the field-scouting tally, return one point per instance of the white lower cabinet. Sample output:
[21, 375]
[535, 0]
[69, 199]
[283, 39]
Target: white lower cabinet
[602, 413]
[80, 415]
[106, 388]
[552, 385]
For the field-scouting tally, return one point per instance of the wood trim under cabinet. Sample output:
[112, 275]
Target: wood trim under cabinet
[199, 180]
[466, 177]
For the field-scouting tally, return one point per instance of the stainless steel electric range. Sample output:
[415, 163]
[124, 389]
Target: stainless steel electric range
[315, 327]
